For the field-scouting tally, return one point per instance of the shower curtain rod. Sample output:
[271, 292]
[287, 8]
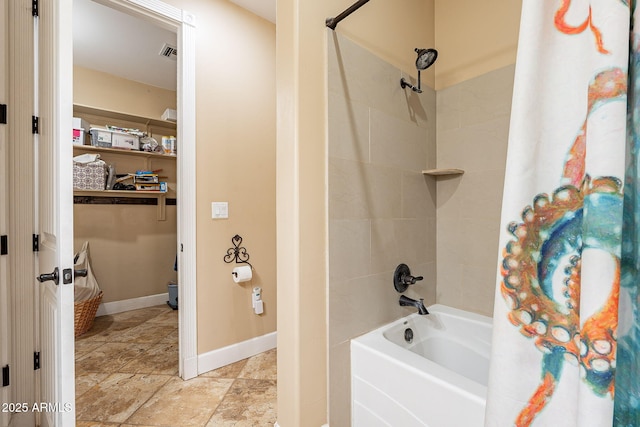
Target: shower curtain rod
[332, 22]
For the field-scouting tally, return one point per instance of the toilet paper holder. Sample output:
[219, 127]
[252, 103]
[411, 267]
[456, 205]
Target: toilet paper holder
[237, 253]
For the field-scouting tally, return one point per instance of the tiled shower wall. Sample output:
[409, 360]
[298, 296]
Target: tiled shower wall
[472, 128]
[382, 209]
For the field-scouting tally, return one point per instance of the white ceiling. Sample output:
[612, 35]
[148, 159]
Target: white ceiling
[263, 8]
[113, 42]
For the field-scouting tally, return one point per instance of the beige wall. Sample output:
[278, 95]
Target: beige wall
[302, 168]
[132, 253]
[392, 31]
[97, 89]
[474, 37]
[473, 128]
[381, 207]
[235, 130]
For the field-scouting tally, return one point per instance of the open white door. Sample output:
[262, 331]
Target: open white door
[54, 207]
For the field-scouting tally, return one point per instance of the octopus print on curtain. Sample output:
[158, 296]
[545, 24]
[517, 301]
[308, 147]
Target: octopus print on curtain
[566, 344]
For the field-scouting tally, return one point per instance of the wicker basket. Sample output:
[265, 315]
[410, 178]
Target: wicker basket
[85, 313]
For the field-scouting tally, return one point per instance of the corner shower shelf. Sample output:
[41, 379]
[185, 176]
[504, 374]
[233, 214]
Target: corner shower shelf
[443, 172]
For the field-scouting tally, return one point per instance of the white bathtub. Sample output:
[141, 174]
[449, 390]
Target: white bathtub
[437, 380]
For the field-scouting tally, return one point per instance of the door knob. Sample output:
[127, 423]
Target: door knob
[50, 276]
[80, 273]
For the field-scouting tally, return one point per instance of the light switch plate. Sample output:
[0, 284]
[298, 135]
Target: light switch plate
[219, 210]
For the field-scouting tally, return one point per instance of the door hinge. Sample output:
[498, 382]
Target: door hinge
[35, 122]
[35, 7]
[36, 360]
[5, 376]
[36, 243]
[4, 246]
[3, 114]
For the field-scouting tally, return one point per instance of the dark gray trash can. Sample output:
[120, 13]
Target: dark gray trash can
[173, 295]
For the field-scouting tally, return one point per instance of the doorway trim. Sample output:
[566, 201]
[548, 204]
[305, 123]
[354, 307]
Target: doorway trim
[183, 23]
[5, 392]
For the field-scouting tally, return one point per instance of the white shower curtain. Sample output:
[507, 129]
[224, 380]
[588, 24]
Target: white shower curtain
[568, 256]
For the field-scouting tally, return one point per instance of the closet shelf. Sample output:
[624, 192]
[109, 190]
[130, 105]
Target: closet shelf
[145, 154]
[443, 172]
[162, 197]
[137, 160]
[115, 115]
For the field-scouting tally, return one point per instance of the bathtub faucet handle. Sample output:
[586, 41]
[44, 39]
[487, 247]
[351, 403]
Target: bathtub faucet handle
[411, 280]
[402, 278]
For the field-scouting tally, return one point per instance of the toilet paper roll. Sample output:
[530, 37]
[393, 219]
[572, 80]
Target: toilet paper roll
[242, 274]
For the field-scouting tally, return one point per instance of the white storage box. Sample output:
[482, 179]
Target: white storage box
[170, 115]
[125, 141]
[79, 123]
[101, 137]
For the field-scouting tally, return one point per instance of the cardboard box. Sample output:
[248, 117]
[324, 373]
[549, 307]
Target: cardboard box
[90, 176]
[125, 141]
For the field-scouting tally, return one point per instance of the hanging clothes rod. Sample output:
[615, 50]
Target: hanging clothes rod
[333, 22]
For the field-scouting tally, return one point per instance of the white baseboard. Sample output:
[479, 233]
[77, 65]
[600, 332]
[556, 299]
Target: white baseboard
[189, 368]
[114, 307]
[224, 356]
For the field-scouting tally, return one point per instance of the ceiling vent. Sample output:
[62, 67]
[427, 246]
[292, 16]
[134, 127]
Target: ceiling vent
[169, 51]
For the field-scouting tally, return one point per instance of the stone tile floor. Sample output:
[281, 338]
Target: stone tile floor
[127, 375]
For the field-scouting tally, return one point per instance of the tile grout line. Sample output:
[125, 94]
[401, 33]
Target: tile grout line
[126, 421]
[169, 377]
[159, 388]
[109, 374]
[220, 403]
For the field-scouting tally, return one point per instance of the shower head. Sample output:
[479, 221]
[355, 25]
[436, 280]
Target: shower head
[426, 58]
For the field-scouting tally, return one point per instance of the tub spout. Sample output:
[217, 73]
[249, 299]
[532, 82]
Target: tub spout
[409, 302]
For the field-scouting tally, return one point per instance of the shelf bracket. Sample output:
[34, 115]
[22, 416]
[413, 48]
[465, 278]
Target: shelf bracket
[162, 208]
